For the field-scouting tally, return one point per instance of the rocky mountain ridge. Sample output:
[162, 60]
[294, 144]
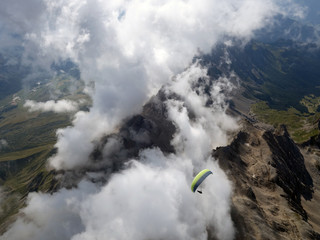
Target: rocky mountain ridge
[275, 185]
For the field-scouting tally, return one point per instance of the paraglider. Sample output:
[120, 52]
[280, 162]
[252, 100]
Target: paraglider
[201, 176]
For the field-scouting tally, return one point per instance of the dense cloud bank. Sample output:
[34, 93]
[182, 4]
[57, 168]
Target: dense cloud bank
[151, 198]
[129, 49]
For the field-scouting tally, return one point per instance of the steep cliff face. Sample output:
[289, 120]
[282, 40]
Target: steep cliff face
[292, 175]
[275, 185]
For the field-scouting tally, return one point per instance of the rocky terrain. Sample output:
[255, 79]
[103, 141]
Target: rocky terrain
[276, 193]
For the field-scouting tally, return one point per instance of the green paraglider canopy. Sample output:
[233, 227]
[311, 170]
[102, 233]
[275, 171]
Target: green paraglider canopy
[201, 176]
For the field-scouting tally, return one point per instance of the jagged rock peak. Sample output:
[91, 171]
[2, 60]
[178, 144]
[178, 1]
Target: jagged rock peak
[269, 175]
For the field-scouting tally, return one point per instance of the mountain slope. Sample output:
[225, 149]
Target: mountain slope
[282, 79]
[27, 140]
[275, 194]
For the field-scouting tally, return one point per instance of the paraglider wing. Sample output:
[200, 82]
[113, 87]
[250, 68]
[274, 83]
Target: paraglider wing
[201, 176]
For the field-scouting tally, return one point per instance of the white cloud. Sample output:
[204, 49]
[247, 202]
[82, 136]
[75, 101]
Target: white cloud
[293, 9]
[60, 106]
[149, 200]
[50, 217]
[17, 18]
[75, 143]
[3, 144]
[211, 123]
